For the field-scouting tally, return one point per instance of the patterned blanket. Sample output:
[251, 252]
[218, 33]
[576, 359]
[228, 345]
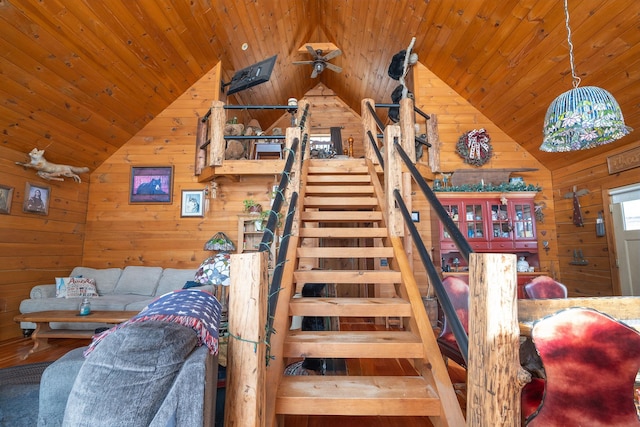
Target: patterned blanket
[194, 308]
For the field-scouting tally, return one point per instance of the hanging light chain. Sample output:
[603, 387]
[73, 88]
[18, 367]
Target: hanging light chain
[576, 79]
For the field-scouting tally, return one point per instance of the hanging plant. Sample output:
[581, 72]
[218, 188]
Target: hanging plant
[475, 147]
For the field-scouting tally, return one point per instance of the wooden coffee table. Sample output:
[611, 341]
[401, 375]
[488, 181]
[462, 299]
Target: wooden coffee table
[43, 329]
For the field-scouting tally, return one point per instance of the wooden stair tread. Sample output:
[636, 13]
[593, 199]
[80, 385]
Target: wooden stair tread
[345, 252]
[347, 276]
[387, 344]
[350, 307]
[351, 395]
[339, 179]
[341, 202]
[339, 189]
[341, 216]
[342, 232]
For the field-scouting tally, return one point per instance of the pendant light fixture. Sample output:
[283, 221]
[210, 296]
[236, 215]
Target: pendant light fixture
[583, 117]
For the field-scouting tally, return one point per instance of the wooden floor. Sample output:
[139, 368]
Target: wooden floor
[12, 353]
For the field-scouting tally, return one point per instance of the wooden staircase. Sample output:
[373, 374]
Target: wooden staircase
[342, 199]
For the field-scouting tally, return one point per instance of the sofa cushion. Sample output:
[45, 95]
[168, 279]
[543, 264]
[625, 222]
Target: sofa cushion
[106, 278]
[124, 381]
[138, 280]
[174, 278]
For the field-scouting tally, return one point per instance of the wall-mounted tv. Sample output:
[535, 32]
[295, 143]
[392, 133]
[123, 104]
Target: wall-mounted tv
[257, 73]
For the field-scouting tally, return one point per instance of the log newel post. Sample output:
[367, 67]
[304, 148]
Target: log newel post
[494, 377]
[245, 401]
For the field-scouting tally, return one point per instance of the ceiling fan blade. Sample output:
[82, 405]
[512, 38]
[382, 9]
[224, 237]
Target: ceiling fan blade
[312, 51]
[333, 67]
[332, 54]
[314, 74]
[302, 62]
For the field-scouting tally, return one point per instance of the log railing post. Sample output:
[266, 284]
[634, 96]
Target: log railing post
[368, 125]
[246, 367]
[494, 375]
[217, 144]
[392, 180]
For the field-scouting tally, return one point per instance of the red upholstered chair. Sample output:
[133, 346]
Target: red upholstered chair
[544, 287]
[591, 361]
[458, 291]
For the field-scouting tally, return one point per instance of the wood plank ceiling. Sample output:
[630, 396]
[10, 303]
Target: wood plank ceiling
[80, 77]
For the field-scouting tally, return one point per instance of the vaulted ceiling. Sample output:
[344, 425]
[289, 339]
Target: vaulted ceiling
[81, 76]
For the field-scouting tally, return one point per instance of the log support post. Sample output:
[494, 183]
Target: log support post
[368, 125]
[246, 363]
[494, 375]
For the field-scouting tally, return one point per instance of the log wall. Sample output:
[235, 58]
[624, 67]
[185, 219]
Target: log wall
[600, 276]
[456, 116]
[34, 248]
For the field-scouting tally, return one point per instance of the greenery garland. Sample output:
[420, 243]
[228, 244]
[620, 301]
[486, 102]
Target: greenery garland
[502, 188]
[475, 147]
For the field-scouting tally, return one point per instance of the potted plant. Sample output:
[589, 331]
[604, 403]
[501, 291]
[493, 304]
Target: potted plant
[252, 206]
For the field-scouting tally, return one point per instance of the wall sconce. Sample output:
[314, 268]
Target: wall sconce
[545, 246]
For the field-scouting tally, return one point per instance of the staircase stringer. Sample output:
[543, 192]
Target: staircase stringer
[433, 361]
[281, 324]
[432, 366]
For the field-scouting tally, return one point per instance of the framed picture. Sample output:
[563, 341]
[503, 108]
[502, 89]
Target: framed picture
[151, 184]
[6, 195]
[192, 203]
[36, 198]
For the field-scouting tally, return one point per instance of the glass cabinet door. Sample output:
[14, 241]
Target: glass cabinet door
[523, 220]
[474, 219]
[454, 214]
[500, 222]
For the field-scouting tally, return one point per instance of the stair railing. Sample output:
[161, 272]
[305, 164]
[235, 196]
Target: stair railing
[458, 330]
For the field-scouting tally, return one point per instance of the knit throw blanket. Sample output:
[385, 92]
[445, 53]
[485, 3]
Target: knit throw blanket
[194, 308]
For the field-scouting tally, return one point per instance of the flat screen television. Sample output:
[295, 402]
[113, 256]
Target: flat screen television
[257, 73]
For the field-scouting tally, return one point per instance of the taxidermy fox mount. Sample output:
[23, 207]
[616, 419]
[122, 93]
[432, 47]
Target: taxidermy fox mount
[51, 171]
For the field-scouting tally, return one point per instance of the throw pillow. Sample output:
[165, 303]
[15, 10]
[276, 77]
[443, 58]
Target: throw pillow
[61, 286]
[81, 287]
[214, 270]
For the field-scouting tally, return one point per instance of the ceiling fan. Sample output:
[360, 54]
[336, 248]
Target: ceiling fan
[320, 62]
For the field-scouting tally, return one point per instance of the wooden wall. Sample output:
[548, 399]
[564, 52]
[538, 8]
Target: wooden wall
[456, 116]
[35, 248]
[600, 276]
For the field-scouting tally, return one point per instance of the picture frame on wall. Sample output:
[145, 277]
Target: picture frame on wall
[6, 196]
[151, 184]
[192, 203]
[36, 198]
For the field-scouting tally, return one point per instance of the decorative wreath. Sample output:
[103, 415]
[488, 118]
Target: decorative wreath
[475, 147]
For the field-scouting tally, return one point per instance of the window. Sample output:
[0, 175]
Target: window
[631, 214]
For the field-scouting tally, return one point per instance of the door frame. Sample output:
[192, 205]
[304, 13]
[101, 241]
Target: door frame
[620, 181]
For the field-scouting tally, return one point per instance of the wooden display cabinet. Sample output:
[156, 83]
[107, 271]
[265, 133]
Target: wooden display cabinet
[491, 222]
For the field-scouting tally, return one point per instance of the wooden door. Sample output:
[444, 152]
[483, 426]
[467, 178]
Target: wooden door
[626, 220]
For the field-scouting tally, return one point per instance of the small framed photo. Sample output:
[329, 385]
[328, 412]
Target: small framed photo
[36, 198]
[151, 184]
[6, 195]
[415, 216]
[192, 203]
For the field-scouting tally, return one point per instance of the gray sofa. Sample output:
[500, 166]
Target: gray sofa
[147, 374]
[131, 289]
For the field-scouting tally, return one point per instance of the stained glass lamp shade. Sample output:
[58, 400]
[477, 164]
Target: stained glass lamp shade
[582, 118]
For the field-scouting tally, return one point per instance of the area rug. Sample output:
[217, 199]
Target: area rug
[19, 394]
